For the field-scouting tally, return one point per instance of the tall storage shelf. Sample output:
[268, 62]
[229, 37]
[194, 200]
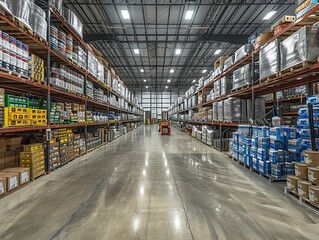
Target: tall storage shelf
[304, 75]
[18, 84]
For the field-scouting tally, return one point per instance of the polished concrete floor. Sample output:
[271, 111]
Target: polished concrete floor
[147, 186]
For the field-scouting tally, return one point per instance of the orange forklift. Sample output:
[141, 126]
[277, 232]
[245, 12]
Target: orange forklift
[165, 128]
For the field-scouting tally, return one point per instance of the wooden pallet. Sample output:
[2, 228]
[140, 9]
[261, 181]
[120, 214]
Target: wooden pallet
[303, 201]
[270, 78]
[34, 178]
[241, 88]
[38, 81]
[299, 67]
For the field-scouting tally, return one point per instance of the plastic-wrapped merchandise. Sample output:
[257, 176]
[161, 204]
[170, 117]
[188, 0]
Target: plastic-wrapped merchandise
[225, 86]
[4, 4]
[194, 100]
[260, 108]
[100, 72]
[92, 64]
[220, 111]
[79, 56]
[229, 62]
[37, 21]
[21, 9]
[242, 52]
[215, 111]
[301, 46]
[243, 76]
[218, 70]
[57, 4]
[217, 89]
[235, 110]
[212, 134]
[73, 20]
[89, 89]
[269, 59]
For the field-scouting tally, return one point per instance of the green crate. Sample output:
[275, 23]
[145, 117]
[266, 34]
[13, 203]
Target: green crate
[17, 101]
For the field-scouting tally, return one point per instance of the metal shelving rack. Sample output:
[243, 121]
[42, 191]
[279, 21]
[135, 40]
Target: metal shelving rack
[302, 76]
[18, 84]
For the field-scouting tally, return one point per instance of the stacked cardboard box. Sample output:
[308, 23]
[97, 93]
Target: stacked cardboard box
[76, 144]
[54, 154]
[305, 182]
[70, 148]
[2, 104]
[33, 157]
[8, 181]
[9, 152]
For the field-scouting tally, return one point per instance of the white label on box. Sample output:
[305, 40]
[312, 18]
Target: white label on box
[288, 183]
[310, 176]
[1, 187]
[25, 177]
[311, 196]
[13, 182]
[297, 172]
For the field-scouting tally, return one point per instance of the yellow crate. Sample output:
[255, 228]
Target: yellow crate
[34, 154]
[32, 162]
[17, 116]
[17, 110]
[39, 122]
[32, 147]
[63, 140]
[16, 123]
[69, 131]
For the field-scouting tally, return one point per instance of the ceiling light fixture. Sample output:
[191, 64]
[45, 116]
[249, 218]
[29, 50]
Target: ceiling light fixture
[125, 14]
[194, 80]
[189, 14]
[146, 86]
[269, 15]
[144, 80]
[218, 51]
[204, 71]
[142, 70]
[178, 51]
[136, 51]
[168, 80]
[172, 70]
[166, 87]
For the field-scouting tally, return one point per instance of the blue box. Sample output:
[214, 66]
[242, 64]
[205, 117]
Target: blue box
[255, 163]
[290, 132]
[303, 112]
[267, 167]
[276, 156]
[235, 136]
[276, 133]
[254, 142]
[262, 154]
[263, 142]
[313, 99]
[260, 166]
[289, 169]
[248, 160]
[253, 152]
[255, 131]
[276, 144]
[277, 170]
[263, 131]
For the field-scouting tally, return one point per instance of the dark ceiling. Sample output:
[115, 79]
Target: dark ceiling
[157, 28]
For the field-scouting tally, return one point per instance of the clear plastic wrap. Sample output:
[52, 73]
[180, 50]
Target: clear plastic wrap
[242, 52]
[100, 72]
[217, 89]
[218, 70]
[260, 108]
[269, 59]
[225, 86]
[92, 64]
[229, 62]
[301, 46]
[215, 111]
[21, 9]
[235, 110]
[37, 21]
[243, 76]
[4, 4]
[57, 4]
[73, 20]
[220, 113]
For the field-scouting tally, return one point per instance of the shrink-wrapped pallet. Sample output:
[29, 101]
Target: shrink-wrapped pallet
[269, 59]
[225, 86]
[218, 70]
[229, 62]
[215, 111]
[235, 110]
[217, 88]
[242, 52]
[301, 46]
[57, 4]
[243, 76]
[74, 21]
[21, 9]
[220, 113]
[260, 108]
[37, 21]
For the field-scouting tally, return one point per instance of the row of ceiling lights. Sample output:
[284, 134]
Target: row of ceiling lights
[126, 14]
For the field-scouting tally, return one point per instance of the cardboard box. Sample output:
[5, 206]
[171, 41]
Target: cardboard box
[12, 179]
[262, 39]
[15, 147]
[301, 170]
[314, 195]
[13, 141]
[24, 173]
[292, 183]
[32, 147]
[311, 158]
[303, 188]
[3, 146]
[3, 186]
[2, 160]
[2, 97]
[10, 160]
[313, 175]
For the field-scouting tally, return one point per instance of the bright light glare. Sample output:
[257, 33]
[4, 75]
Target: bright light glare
[194, 80]
[171, 71]
[218, 51]
[204, 71]
[166, 87]
[142, 70]
[168, 80]
[136, 51]
[144, 80]
[189, 14]
[146, 86]
[125, 14]
[269, 15]
[178, 51]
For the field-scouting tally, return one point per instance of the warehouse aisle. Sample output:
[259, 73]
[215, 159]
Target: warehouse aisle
[147, 186]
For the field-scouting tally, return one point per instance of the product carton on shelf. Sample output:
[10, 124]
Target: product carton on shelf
[269, 59]
[24, 174]
[10, 160]
[3, 185]
[313, 175]
[303, 188]
[292, 183]
[12, 179]
[301, 170]
[314, 195]
[283, 19]
[311, 158]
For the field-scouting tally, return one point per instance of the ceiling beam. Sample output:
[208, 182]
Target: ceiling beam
[227, 38]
